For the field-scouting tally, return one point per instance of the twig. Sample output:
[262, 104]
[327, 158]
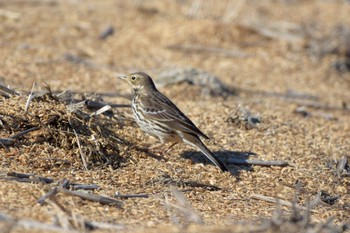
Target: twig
[31, 224]
[94, 105]
[84, 186]
[101, 110]
[201, 185]
[212, 50]
[21, 177]
[30, 97]
[91, 197]
[141, 195]
[103, 225]
[6, 142]
[276, 200]
[7, 90]
[257, 162]
[63, 188]
[82, 155]
[49, 194]
[11, 140]
[97, 104]
[24, 180]
[20, 134]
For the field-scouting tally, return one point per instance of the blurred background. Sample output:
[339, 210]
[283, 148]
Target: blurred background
[273, 45]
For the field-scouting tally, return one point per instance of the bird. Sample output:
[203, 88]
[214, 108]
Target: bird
[159, 117]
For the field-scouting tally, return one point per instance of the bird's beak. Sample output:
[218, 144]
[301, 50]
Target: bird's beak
[121, 76]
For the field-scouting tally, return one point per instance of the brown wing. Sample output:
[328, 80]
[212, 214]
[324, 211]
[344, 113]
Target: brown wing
[159, 107]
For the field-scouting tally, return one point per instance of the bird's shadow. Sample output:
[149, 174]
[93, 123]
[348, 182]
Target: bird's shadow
[223, 155]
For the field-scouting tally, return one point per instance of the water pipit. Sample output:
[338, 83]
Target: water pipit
[159, 117]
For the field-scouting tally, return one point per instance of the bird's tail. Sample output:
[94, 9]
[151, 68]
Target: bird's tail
[200, 145]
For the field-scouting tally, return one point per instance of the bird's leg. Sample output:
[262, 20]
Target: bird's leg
[158, 145]
[171, 146]
[155, 146]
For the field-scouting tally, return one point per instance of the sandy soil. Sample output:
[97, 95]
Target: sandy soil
[277, 56]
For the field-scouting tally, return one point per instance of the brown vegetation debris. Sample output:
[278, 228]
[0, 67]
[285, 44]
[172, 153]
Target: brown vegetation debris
[55, 130]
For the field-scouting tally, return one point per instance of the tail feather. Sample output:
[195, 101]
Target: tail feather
[200, 145]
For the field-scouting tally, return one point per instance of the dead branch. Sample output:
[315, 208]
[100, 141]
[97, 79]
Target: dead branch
[103, 225]
[11, 140]
[196, 184]
[141, 195]
[30, 98]
[6, 142]
[82, 155]
[20, 134]
[165, 179]
[258, 162]
[49, 194]
[276, 200]
[7, 90]
[31, 224]
[97, 104]
[64, 185]
[63, 188]
[101, 110]
[99, 107]
[91, 197]
[21, 177]
[210, 50]
[84, 186]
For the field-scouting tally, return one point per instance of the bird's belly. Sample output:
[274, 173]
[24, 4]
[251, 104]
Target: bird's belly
[156, 129]
[160, 132]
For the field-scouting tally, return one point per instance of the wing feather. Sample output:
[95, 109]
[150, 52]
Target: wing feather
[159, 107]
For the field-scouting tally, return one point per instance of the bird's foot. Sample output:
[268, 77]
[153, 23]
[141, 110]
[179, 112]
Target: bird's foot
[157, 148]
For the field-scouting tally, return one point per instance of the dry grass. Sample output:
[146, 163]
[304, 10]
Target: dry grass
[289, 86]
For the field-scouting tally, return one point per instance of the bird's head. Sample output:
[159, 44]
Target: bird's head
[140, 81]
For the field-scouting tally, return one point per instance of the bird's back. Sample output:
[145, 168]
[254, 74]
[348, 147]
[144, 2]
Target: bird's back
[161, 108]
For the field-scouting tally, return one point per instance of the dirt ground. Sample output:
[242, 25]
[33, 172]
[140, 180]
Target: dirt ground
[285, 62]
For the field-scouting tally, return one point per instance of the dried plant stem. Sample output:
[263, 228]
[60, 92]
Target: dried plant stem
[30, 97]
[257, 162]
[91, 197]
[82, 155]
[31, 224]
[7, 90]
[276, 200]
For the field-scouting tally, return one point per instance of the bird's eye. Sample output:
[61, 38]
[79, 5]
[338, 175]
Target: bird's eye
[133, 78]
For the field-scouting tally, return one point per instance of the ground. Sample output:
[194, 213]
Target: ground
[281, 60]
